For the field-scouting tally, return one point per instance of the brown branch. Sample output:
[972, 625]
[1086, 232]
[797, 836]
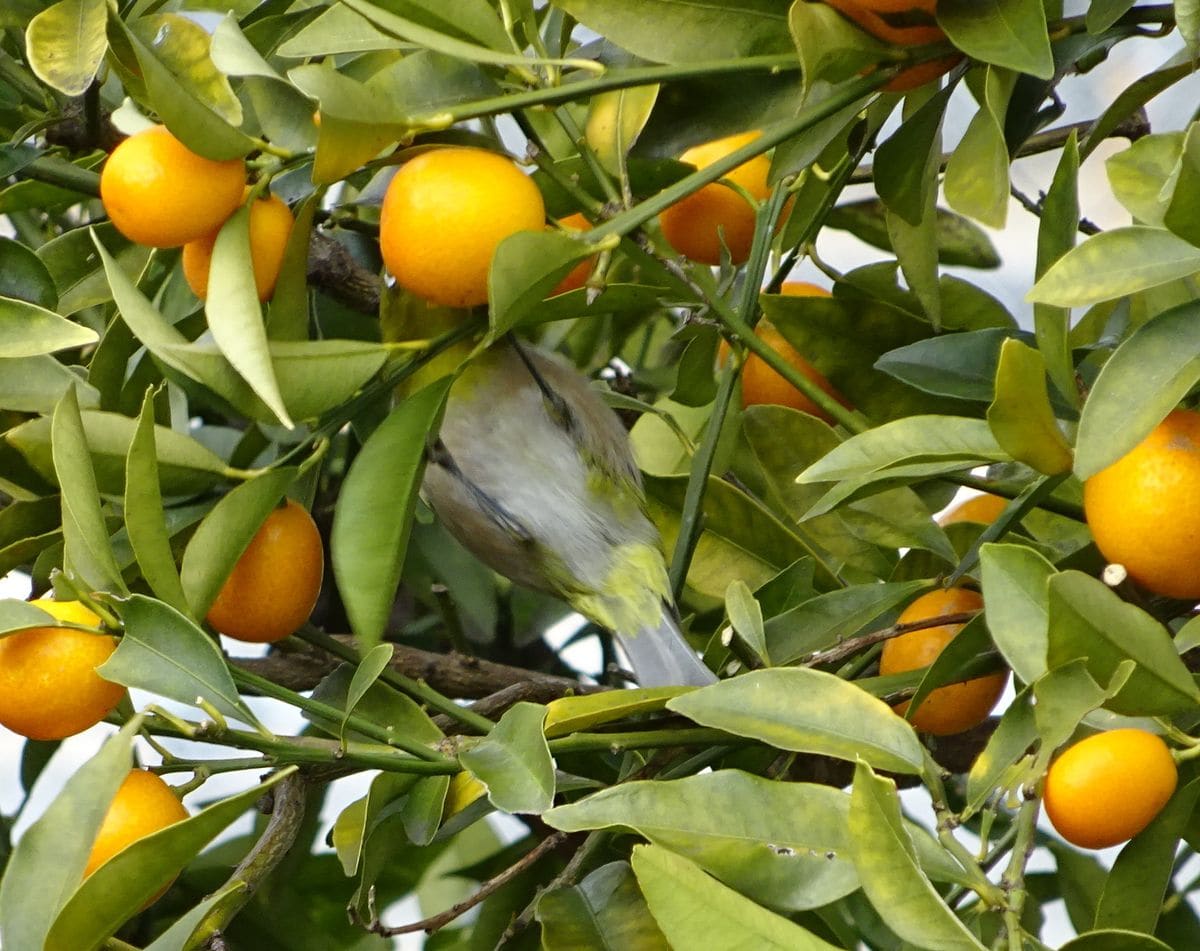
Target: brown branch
[849, 648]
[333, 270]
[455, 675]
[286, 803]
[435, 922]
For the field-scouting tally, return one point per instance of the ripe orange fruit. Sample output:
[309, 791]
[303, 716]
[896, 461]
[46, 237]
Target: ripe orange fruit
[143, 805]
[761, 384]
[274, 585]
[1144, 509]
[955, 707]
[984, 508]
[270, 226]
[578, 275]
[697, 225]
[1107, 788]
[49, 688]
[443, 216]
[158, 192]
[901, 23]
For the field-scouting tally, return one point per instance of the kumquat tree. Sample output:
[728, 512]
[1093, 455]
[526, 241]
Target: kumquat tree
[599, 474]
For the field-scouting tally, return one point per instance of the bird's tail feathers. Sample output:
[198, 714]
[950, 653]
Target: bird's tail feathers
[661, 657]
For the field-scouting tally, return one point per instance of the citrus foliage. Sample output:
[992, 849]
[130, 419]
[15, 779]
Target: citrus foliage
[692, 155]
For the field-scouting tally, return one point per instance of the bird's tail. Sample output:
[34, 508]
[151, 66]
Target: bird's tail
[661, 657]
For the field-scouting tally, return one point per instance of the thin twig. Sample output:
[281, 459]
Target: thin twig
[851, 647]
[435, 922]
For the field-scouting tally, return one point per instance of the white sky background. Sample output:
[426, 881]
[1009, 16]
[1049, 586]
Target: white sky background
[1085, 97]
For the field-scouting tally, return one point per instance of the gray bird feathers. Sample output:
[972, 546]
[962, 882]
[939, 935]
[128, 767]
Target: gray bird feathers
[534, 474]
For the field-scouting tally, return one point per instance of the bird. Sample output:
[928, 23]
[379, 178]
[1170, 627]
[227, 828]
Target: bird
[533, 472]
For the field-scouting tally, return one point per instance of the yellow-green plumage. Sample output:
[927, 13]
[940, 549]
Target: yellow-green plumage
[535, 476]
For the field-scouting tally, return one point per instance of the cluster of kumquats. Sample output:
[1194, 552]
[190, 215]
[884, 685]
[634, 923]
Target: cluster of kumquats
[160, 193]
[443, 216]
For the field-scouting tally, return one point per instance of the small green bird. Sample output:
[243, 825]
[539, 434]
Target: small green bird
[533, 473]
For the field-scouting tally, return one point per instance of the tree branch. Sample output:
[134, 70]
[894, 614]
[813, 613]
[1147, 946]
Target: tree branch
[434, 922]
[287, 807]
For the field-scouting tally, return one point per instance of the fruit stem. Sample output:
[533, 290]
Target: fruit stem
[414, 688]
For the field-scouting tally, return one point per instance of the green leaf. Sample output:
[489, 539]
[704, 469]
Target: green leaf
[1134, 890]
[36, 384]
[179, 936]
[87, 550]
[526, 267]
[605, 910]
[960, 241]
[1114, 264]
[423, 809]
[746, 617]
[287, 319]
[585, 711]
[1056, 236]
[1014, 589]
[226, 532]
[1114, 940]
[193, 99]
[689, 30]
[235, 315]
[997, 767]
[976, 179]
[1088, 620]
[695, 911]
[905, 450]
[145, 521]
[123, 885]
[18, 615]
[959, 365]
[47, 862]
[27, 330]
[1062, 698]
[1144, 379]
[169, 345]
[379, 703]
[904, 185]
[185, 466]
[1140, 175]
[368, 541]
[782, 844]
[365, 675]
[163, 652]
[831, 49]
[1136, 95]
[1010, 33]
[831, 617]
[1020, 416]
[958, 440]
[77, 270]
[615, 119]
[66, 43]
[892, 879]
[513, 761]
[807, 711]
[417, 28]
[24, 277]
[1187, 18]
